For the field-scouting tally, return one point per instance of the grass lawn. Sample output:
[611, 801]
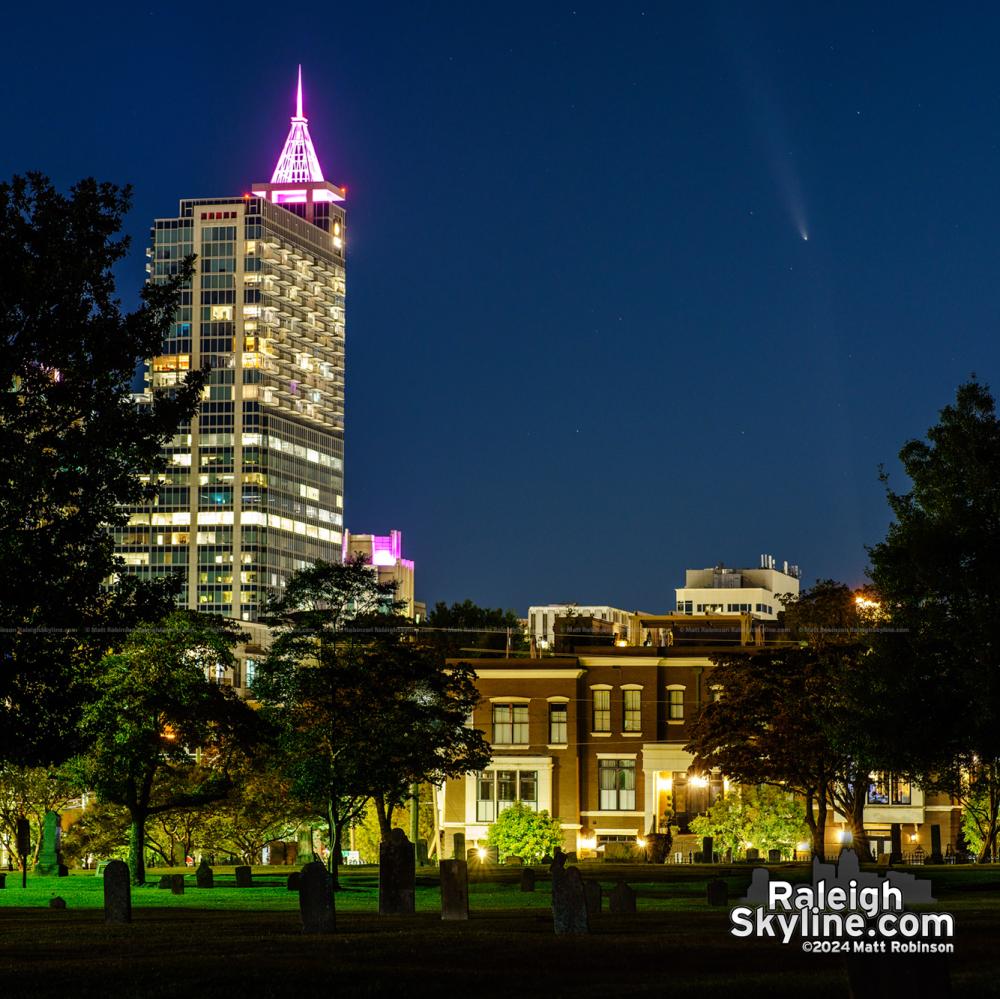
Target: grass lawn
[247, 942]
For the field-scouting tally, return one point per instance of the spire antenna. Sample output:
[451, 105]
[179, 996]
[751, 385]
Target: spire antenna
[298, 96]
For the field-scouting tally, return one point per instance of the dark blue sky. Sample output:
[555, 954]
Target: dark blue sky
[587, 344]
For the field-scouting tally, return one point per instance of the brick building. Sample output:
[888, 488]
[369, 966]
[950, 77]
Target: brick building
[596, 739]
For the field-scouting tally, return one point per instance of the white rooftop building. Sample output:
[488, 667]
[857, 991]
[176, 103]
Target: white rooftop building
[722, 590]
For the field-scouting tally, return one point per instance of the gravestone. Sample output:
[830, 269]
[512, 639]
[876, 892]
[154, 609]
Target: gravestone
[592, 896]
[622, 900]
[294, 882]
[717, 892]
[423, 858]
[48, 855]
[117, 893]
[935, 857]
[896, 849]
[164, 881]
[458, 847]
[753, 853]
[774, 856]
[177, 884]
[396, 876]
[707, 849]
[527, 879]
[204, 877]
[454, 889]
[316, 899]
[57, 903]
[3, 881]
[513, 861]
[569, 903]
[244, 877]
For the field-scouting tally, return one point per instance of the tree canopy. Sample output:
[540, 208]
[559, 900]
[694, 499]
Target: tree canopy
[159, 732]
[935, 573]
[72, 443]
[363, 710]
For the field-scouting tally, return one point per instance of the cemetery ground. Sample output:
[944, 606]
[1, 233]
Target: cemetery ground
[228, 941]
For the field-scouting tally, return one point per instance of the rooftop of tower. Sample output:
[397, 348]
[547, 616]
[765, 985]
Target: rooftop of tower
[297, 176]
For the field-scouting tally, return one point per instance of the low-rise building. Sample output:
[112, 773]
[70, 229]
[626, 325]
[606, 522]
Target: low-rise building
[597, 739]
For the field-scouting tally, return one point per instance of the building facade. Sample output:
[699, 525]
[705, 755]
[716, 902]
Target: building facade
[254, 484]
[597, 740]
[721, 590]
[542, 620]
[384, 552]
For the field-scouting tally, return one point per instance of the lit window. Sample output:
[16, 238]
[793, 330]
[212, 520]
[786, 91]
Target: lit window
[510, 724]
[602, 711]
[675, 705]
[633, 715]
[558, 727]
[617, 785]
[497, 790]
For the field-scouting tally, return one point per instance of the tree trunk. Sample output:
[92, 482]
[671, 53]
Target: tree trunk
[858, 833]
[819, 841]
[137, 847]
[384, 818]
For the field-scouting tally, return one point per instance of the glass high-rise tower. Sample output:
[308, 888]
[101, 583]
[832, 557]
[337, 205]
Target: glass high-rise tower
[255, 482]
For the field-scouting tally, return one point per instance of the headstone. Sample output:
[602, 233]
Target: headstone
[622, 900]
[117, 893]
[936, 856]
[707, 849]
[177, 884]
[753, 853]
[3, 881]
[513, 861]
[592, 896]
[204, 876]
[316, 898]
[454, 889]
[717, 892]
[774, 856]
[294, 882]
[458, 846]
[396, 875]
[244, 877]
[164, 881]
[57, 903]
[896, 837]
[569, 904]
[48, 855]
[527, 879]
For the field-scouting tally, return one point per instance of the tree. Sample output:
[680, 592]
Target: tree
[100, 833]
[521, 832]
[786, 716]
[765, 817]
[936, 574]
[363, 711]
[72, 444]
[259, 810]
[465, 627]
[30, 792]
[159, 732]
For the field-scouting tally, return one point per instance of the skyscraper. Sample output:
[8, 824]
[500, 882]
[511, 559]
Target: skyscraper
[255, 482]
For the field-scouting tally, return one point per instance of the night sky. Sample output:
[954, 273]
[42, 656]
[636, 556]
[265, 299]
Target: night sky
[588, 343]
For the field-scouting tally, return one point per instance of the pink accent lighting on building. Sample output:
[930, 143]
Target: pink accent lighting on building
[298, 177]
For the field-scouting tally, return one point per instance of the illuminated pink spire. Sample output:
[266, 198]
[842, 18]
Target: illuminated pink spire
[298, 163]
